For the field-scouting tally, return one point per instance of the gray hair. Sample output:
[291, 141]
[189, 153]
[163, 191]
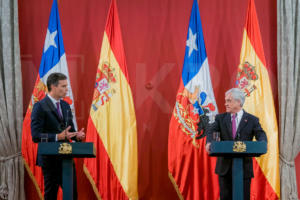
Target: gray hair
[237, 94]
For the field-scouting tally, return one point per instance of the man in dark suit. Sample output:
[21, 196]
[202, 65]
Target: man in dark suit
[52, 120]
[235, 124]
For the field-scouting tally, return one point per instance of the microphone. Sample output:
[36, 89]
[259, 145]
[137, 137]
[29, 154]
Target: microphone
[238, 136]
[67, 118]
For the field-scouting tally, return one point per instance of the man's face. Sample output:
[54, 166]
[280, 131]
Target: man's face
[59, 91]
[232, 105]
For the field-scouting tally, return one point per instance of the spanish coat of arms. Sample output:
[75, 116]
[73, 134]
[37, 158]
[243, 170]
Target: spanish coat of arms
[103, 87]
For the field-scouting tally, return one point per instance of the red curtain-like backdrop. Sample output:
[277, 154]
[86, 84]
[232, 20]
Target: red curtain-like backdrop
[154, 35]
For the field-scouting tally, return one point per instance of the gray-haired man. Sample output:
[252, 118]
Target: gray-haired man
[235, 124]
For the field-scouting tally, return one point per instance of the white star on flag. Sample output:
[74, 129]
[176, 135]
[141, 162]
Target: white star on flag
[195, 111]
[50, 40]
[191, 42]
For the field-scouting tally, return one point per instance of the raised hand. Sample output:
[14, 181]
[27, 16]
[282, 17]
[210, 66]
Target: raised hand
[65, 134]
[80, 134]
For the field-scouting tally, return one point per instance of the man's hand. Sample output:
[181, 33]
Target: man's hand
[80, 135]
[207, 147]
[65, 134]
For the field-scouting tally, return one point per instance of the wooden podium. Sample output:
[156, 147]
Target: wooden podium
[237, 150]
[67, 151]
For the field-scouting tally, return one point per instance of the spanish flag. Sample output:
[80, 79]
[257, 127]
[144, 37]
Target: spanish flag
[53, 60]
[253, 78]
[112, 122]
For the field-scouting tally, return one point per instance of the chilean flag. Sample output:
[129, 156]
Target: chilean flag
[191, 170]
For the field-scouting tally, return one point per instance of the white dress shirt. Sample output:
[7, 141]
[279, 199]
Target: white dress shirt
[54, 101]
[238, 117]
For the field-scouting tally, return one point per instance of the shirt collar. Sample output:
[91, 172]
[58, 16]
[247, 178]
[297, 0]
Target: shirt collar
[239, 114]
[54, 101]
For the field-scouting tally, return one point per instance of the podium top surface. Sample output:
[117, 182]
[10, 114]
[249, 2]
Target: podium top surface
[66, 149]
[238, 148]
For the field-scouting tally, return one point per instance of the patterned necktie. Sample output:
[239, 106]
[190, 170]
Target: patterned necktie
[233, 122]
[58, 110]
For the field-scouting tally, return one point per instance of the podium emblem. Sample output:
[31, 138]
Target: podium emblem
[65, 148]
[239, 146]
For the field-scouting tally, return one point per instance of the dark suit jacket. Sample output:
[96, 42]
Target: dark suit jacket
[45, 119]
[248, 128]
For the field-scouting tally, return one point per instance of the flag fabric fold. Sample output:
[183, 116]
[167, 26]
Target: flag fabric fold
[112, 122]
[53, 60]
[253, 79]
[190, 168]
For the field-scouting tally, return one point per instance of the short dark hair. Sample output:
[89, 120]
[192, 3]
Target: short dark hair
[54, 78]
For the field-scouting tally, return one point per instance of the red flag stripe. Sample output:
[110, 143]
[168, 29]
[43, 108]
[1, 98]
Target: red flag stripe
[29, 148]
[191, 167]
[253, 32]
[258, 181]
[103, 170]
[114, 35]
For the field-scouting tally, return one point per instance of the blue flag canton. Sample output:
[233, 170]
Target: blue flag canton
[53, 47]
[195, 52]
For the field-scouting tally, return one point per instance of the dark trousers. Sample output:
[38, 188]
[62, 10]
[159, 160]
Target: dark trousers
[225, 183]
[53, 179]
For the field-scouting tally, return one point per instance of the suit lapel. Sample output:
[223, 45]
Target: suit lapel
[52, 108]
[243, 122]
[64, 111]
[228, 125]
